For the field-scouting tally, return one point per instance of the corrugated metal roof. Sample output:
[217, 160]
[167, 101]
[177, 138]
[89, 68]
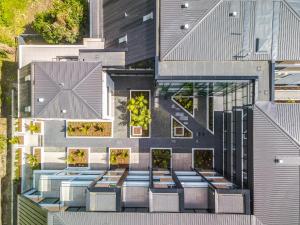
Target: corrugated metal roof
[125, 17]
[107, 218]
[276, 186]
[96, 18]
[72, 86]
[261, 30]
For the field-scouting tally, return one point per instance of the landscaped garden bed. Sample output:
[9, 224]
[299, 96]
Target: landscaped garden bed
[18, 164]
[18, 125]
[161, 158]
[140, 113]
[35, 127]
[34, 160]
[184, 98]
[179, 130]
[119, 158]
[78, 157]
[89, 129]
[204, 159]
[17, 140]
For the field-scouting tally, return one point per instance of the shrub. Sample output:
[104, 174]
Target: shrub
[140, 114]
[33, 161]
[3, 143]
[63, 23]
[14, 140]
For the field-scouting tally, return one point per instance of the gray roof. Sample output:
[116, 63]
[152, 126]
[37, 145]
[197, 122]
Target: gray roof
[140, 35]
[72, 86]
[261, 30]
[138, 218]
[276, 188]
[284, 115]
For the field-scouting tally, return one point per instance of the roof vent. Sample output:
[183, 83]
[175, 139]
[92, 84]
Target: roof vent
[148, 17]
[123, 39]
[41, 99]
[62, 84]
[125, 14]
[233, 14]
[185, 26]
[185, 5]
[64, 111]
[279, 161]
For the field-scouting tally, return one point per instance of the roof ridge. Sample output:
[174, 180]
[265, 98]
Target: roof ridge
[88, 74]
[278, 126]
[198, 22]
[86, 103]
[291, 9]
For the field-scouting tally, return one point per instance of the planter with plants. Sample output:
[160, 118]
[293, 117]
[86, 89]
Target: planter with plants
[18, 165]
[19, 125]
[184, 98]
[119, 158]
[179, 130]
[140, 113]
[78, 157]
[35, 127]
[203, 159]
[17, 140]
[33, 162]
[161, 158]
[89, 129]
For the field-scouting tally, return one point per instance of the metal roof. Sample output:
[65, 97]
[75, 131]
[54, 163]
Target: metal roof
[71, 90]
[276, 188]
[230, 30]
[110, 218]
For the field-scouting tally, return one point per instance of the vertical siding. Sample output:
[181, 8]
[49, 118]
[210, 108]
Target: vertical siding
[276, 187]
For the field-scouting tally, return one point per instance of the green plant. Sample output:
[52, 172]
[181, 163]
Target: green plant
[3, 143]
[71, 159]
[64, 22]
[185, 102]
[140, 114]
[14, 140]
[33, 128]
[71, 129]
[17, 171]
[161, 158]
[80, 153]
[203, 159]
[33, 161]
[98, 127]
[85, 128]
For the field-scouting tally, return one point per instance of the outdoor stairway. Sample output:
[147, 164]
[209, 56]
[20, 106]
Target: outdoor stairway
[178, 113]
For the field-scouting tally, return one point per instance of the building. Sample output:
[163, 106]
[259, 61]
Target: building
[218, 148]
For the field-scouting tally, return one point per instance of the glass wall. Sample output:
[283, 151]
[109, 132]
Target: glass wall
[234, 99]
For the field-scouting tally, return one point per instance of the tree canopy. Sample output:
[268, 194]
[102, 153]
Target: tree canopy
[65, 22]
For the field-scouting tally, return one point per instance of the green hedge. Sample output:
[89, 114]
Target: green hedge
[64, 23]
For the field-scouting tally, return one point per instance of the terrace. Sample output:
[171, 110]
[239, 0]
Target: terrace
[169, 128]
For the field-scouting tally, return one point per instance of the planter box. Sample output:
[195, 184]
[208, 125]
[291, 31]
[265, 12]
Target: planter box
[78, 157]
[119, 158]
[203, 159]
[146, 133]
[137, 131]
[179, 131]
[92, 129]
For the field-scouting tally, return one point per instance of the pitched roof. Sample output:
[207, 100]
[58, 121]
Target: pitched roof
[260, 30]
[276, 190]
[75, 87]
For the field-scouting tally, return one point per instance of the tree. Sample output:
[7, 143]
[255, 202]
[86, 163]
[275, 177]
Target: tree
[63, 23]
